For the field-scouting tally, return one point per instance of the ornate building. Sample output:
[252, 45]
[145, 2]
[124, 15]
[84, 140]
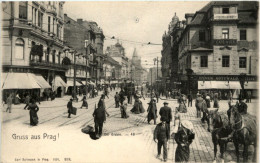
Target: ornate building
[117, 52]
[218, 48]
[32, 40]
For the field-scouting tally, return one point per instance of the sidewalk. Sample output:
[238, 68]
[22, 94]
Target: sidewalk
[202, 149]
[58, 102]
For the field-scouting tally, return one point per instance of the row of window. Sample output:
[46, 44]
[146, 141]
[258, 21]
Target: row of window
[225, 34]
[37, 19]
[225, 61]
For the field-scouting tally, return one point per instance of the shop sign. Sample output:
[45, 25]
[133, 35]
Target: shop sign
[225, 42]
[225, 16]
[225, 78]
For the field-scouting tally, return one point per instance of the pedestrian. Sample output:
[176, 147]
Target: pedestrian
[100, 116]
[9, 103]
[184, 138]
[117, 98]
[166, 112]
[249, 93]
[176, 124]
[162, 134]
[152, 111]
[17, 99]
[122, 96]
[208, 100]
[182, 108]
[123, 109]
[27, 101]
[215, 102]
[189, 100]
[70, 107]
[101, 104]
[138, 105]
[241, 106]
[33, 113]
[157, 96]
[84, 103]
[198, 105]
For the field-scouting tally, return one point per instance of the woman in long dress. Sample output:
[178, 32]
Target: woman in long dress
[84, 103]
[33, 113]
[152, 111]
[138, 106]
[184, 138]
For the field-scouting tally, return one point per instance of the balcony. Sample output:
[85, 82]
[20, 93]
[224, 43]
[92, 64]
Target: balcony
[47, 65]
[225, 17]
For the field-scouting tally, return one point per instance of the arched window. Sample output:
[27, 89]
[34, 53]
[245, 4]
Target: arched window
[19, 49]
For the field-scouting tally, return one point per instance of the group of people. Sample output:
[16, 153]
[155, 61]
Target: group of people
[182, 133]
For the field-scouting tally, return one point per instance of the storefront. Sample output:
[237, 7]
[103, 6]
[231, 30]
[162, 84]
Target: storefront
[222, 84]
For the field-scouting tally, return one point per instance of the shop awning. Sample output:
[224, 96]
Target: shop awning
[234, 85]
[71, 83]
[204, 85]
[219, 85]
[3, 77]
[91, 83]
[59, 82]
[41, 81]
[251, 85]
[83, 82]
[20, 81]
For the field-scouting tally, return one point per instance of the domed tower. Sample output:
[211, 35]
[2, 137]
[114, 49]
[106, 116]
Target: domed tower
[175, 20]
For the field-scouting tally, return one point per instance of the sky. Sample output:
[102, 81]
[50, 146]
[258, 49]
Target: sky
[134, 24]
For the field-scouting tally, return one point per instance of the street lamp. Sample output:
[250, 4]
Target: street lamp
[242, 78]
[74, 79]
[156, 60]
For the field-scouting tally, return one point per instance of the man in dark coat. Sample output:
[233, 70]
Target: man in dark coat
[162, 134]
[117, 98]
[189, 100]
[9, 102]
[167, 113]
[100, 116]
[70, 107]
[242, 106]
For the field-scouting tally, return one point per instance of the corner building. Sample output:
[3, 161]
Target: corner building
[218, 49]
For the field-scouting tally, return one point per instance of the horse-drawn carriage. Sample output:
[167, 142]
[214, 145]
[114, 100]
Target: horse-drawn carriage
[233, 127]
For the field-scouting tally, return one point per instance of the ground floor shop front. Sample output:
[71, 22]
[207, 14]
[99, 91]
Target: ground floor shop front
[225, 85]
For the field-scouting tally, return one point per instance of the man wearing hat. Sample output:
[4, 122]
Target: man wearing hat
[70, 107]
[166, 112]
[241, 106]
[184, 138]
[162, 134]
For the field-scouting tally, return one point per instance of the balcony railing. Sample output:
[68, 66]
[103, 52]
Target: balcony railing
[48, 65]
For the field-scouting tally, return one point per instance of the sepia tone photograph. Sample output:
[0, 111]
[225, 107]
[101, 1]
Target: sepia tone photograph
[121, 81]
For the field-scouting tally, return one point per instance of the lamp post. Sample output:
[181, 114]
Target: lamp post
[156, 60]
[74, 79]
[87, 50]
[242, 78]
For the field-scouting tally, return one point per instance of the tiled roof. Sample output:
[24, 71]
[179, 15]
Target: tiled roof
[111, 60]
[247, 5]
[247, 17]
[217, 3]
[199, 19]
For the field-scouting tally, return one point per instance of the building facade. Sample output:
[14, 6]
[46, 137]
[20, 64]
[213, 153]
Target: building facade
[138, 72]
[117, 52]
[32, 40]
[87, 39]
[218, 48]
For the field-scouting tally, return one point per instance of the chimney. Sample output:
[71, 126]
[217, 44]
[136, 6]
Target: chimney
[188, 17]
[80, 21]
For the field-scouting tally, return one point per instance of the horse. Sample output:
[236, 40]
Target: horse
[221, 130]
[244, 132]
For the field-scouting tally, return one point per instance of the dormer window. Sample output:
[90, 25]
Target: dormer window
[225, 10]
